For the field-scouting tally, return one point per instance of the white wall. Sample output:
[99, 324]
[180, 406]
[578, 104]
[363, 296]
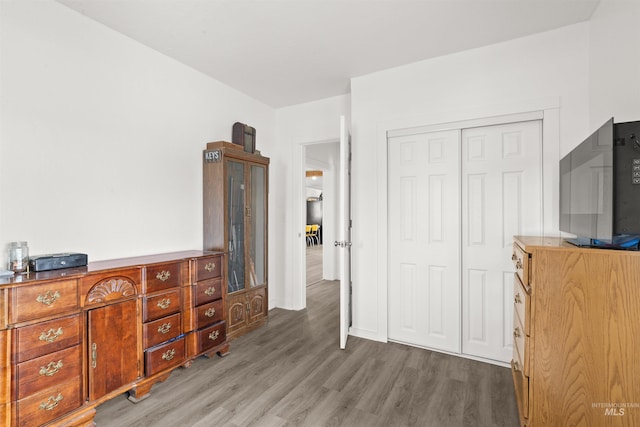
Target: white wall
[614, 62]
[297, 126]
[543, 72]
[102, 137]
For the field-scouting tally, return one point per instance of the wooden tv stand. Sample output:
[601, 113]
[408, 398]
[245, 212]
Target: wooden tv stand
[576, 353]
[72, 339]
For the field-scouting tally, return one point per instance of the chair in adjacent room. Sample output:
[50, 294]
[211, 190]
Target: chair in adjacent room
[315, 238]
[308, 236]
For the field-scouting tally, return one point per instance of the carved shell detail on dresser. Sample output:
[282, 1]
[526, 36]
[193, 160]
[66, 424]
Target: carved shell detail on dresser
[110, 289]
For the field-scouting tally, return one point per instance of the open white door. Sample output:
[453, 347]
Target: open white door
[344, 232]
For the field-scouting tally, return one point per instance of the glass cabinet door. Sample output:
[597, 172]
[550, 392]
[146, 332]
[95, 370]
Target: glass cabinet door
[236, 213]
[258, 227]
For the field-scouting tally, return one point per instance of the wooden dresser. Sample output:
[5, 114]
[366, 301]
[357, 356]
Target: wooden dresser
[576, 354]
[72, 339]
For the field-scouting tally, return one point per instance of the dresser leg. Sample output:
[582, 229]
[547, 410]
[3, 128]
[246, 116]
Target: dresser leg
[142, 390]
[224, 350]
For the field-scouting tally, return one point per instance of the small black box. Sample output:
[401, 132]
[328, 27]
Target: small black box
[57, 261]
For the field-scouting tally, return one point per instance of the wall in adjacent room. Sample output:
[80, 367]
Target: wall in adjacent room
[102, 138]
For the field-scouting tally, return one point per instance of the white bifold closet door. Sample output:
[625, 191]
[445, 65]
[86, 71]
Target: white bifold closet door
[456, 198]
[501, 197]
[424, 240]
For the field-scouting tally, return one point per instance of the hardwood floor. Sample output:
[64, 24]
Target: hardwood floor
[292, 373]
[314, 264]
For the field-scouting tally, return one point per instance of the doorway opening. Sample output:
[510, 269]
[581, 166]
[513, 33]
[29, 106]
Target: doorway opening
[314, 225]
[321, 163]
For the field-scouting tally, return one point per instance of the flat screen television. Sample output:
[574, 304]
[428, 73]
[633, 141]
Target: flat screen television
[600, 188]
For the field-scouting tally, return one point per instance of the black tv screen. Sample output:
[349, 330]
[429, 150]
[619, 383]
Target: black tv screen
[587, 187]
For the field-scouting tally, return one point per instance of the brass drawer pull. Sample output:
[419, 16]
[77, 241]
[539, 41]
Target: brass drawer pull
[518, 298]
[51, 335]
[517, 260]
[164, 303]
[210, 312]
[169, 354]
[51, 369]
[163, 276]
[164, 328]
[51, 402]
[516, 332]
[94, 355]
[48, 298]
[210, 267]
[210, 291]
[214, 335]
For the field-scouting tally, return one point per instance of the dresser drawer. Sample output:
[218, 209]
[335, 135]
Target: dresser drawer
[47, 337]
[521, 304]
[207, 291]
[47, 299]
[164, 356]
[49, 404]
[5, 367]
[520, 347]
[521, 386]
[209, 314]
[160, 305]
[161, 330]
[208, 268]
[211, 336]
[162, 276]
[521, 262]
[47, 371]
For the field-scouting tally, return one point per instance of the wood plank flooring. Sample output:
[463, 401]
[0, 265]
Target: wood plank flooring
[292, 373]
[314, 264]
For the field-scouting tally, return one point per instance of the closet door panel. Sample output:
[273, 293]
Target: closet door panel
[501, 197]
[424, 240]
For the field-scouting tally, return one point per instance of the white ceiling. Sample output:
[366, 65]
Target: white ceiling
[285, 52]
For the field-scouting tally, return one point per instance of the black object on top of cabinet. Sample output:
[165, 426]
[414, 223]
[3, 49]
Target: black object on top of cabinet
[245, 136]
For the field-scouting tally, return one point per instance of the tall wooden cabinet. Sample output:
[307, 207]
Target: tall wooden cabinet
[576, 353]
[235, 190]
